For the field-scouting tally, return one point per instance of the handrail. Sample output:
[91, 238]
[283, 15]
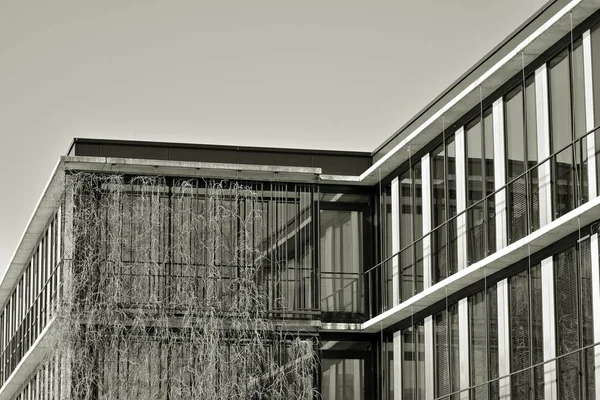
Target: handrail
[486, 198]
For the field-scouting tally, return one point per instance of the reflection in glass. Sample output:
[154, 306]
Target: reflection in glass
[515, 155]
[559, 81]
[342, 379]
[341, 260]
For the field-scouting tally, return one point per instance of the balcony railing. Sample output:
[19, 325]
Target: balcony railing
[564, 173]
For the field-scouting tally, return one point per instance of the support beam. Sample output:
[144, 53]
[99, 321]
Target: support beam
[426, 207]
[395, 241]
[463, 345]
[500, 174]
[397, 343]
[595, 264]
[589, 115]
[429, 359]
[461, 199]
[503, 339]
[549, 330]
[543, 135]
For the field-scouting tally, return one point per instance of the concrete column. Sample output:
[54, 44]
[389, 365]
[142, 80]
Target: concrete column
[549, 330]
[503, 339]
[589, 115]
[426, 199]
[429, 359]
[543, 135]
[595, 253]
[396, 240]
[500, 174]
[463, 345]
[397, 344]
[461, 198]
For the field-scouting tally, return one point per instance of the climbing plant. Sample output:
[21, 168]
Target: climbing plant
[165, 295]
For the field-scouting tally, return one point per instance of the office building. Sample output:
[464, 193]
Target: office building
[459, 260]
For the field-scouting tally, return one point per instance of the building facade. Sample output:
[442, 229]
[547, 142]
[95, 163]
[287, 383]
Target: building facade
[459, 260]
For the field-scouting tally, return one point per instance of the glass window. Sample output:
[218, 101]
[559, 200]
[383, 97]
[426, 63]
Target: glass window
[532, 153]
[483, 330]
[514, 125]
[341, 260]
[561, 133]
[574, 321]
[480, 183]
[525, 297]
[413, 362]
[342, 379]
[443, 237]
[411, 228]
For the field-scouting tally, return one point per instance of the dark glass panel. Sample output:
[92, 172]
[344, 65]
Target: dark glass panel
[438, 193]
[451, 176]
[409, 381]
[442, 359]
[420, 330]
[514, 133]
[515, 165]
[532, 154]
[561, 133]
[492, 309]
[418, 205]
[520, 334]
[454, 350]
[478, 351]
[342, 379]
[490, 204]
[587, 318]
[474, 144]
[406, 209]
[567, 323]
[537, 334]
[579, 115]
[438, 196]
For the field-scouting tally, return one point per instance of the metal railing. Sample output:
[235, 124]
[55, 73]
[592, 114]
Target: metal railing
[564, 172]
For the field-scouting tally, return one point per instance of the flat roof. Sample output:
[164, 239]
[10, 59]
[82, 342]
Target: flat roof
[330, 162]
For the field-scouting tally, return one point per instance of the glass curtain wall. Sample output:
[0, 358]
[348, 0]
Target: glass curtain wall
[345, 370]
[483, 343]
[479, 139]
[443, 196]
[526, 333]
[574, 322]
[411, 229]
[413, 362]
[342, 254]
[567, 123]
[447, 358]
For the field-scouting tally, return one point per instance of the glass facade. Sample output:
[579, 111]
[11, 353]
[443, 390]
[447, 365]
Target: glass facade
[34, 300]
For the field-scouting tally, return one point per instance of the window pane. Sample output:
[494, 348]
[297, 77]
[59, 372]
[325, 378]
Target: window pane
[342, 379]
[520, 337]
[560, 126]
[442, 359]
[341, 259]
[531, 124]
[478, 345]
[567, 323]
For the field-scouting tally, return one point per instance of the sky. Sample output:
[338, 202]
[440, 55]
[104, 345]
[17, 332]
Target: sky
[333, 74]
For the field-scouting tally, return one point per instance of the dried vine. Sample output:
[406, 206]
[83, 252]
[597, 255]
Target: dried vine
[165, 296]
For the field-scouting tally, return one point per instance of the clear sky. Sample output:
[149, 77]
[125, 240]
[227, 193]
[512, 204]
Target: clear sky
[334, 74]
